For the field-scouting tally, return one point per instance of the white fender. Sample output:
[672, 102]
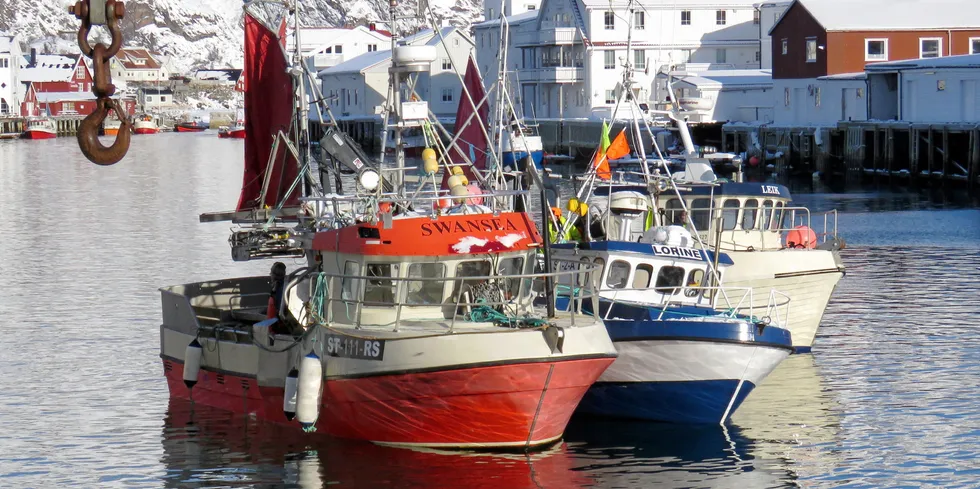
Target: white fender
[289, 397]
[192, 363]
[308, 395]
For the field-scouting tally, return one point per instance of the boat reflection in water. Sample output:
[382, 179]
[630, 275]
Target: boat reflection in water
[794, 417]
[203, 445]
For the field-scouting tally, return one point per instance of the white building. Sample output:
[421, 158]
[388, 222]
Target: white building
[137, 65]
[10, 61]
[331, 46]
[358, 88]
[493, 8]
[150, 98]
[726, 95]
[934, 90]
[572, 54]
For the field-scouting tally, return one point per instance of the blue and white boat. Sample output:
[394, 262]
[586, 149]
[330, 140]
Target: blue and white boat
[686, 353]
[518, 142]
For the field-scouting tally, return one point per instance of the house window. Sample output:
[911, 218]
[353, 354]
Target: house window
[610, 19]
[930, 47]
[816, 97]
[685, 17]
[975, 45]
[447, 94]
[756, 17]
[721, 17]
[640, 59]
[447, 64]
[876, 49]
[491, 14]
[68, 107]
[721, 55]
[758, 56]
[609, 60]
[372, 48]
[811, 50]
[639, 21]
[149, 98]
[531, 7]
[338, 49]
[785, 46]
[3, 63]
[610, 96]
[80, 72]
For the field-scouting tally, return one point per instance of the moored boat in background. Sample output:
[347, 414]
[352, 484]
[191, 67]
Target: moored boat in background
[145, 124]
[40, 128]
[196, 125]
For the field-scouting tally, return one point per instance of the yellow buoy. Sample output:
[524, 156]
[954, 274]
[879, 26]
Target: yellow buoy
[583, 209]
[430, 163]
[573, 205]
[454, 181]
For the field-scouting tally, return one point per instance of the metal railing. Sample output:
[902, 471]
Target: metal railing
[728, 302]
[394, 301]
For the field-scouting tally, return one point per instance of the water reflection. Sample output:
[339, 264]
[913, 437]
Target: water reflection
[204, 447]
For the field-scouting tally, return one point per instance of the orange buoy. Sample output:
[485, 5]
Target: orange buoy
[801, 237]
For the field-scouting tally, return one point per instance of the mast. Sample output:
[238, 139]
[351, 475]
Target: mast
[302, 103]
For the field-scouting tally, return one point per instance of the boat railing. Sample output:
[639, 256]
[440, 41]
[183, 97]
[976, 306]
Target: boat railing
[768, 222]
[423, 200]
[725, 301]
[390, 302]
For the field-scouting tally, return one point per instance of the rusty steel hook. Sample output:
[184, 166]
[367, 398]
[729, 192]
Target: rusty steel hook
[88, 134]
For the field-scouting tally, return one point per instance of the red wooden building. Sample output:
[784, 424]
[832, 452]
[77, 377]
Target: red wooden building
[817, 38]
[59, 85]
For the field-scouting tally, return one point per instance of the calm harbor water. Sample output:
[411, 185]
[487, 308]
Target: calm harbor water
[890, 396]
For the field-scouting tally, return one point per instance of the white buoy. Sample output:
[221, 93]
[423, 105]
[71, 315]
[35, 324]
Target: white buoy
[192, 363]
[308, 395]
[289, 397]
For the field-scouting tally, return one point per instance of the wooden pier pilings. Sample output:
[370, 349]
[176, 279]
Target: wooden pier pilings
[896, 151]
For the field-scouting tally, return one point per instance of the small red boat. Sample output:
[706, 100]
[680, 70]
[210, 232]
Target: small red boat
[232, 132]
[40, 128]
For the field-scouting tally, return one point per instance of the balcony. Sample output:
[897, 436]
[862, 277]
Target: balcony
[547, 36]
[557, 74]
[322, 61]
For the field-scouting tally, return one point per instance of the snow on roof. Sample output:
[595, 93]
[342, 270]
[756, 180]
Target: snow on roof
[47, 97]
[5, 41]
[427, 37]
[131, 59]
[893, 15]
[49, 67]
[230, 75]
[728, 78]
[319, 38]
[660, 4]
[512, 20]
[358, 64]
[860, 75]
[962, 61]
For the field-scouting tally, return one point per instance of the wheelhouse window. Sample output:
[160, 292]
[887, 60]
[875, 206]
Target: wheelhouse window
[685, 17]
[930, 47]
[670, 280]
[673, 211]
[721, 17]
[609, 60]
[619, 274]
[748, 216]
[876, 49]
[641, 278]
[348, 286]
[610, 20]
[694, 280]
[766, 214]
[380, 289]
[428, 291]
[811, 50]
[597, 277]
[509, 267]
[639, 20]
[777, 216]
[729, 214]
[701, 213]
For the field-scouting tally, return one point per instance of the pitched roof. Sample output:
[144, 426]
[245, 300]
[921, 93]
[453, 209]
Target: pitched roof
[661, 4]
[358, 64]
[48, 67]
[47, 97]
[893, 15]
[222, 75]
[728, 78]
[962, 61]
[137, 59]
[511, 20]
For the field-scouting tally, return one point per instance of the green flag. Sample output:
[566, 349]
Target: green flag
[604, 141]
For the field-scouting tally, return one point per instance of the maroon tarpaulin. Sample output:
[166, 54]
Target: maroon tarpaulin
[472, 140]
[268, 110]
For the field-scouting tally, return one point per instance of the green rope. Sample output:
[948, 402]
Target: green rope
[487, 314]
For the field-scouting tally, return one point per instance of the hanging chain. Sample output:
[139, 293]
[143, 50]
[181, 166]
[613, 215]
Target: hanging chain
[108, 13]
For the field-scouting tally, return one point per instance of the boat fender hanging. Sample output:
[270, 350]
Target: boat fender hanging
[289, 396]
[192, 363]
[308, 392]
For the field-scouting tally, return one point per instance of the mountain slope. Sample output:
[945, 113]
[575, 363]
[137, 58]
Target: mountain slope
[198, 33]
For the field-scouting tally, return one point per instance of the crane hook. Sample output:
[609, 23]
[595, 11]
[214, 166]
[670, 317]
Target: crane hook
[88, 134]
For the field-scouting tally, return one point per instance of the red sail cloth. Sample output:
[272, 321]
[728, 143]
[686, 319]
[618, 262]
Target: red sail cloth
[269, 109]
[472, 140]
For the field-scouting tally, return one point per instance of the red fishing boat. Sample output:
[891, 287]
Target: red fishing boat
[419, 318]
[145, 124]
[236, 131]
[40, 128]
[196, 125]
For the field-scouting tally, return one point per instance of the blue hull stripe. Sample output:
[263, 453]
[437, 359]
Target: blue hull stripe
[703, 401]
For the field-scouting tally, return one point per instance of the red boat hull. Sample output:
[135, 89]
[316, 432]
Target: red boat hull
[145, 130]
[236, 134]
[498, 406]
[190, 129]
[39, 135]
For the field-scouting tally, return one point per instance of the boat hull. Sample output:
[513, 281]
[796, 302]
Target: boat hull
[520, 404]
[808, 277]
[233, 134]
[180, 128]
[111, 131]
[39, 134]
[519, 157]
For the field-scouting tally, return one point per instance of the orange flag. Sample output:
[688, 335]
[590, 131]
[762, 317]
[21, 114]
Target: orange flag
[619, 147]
